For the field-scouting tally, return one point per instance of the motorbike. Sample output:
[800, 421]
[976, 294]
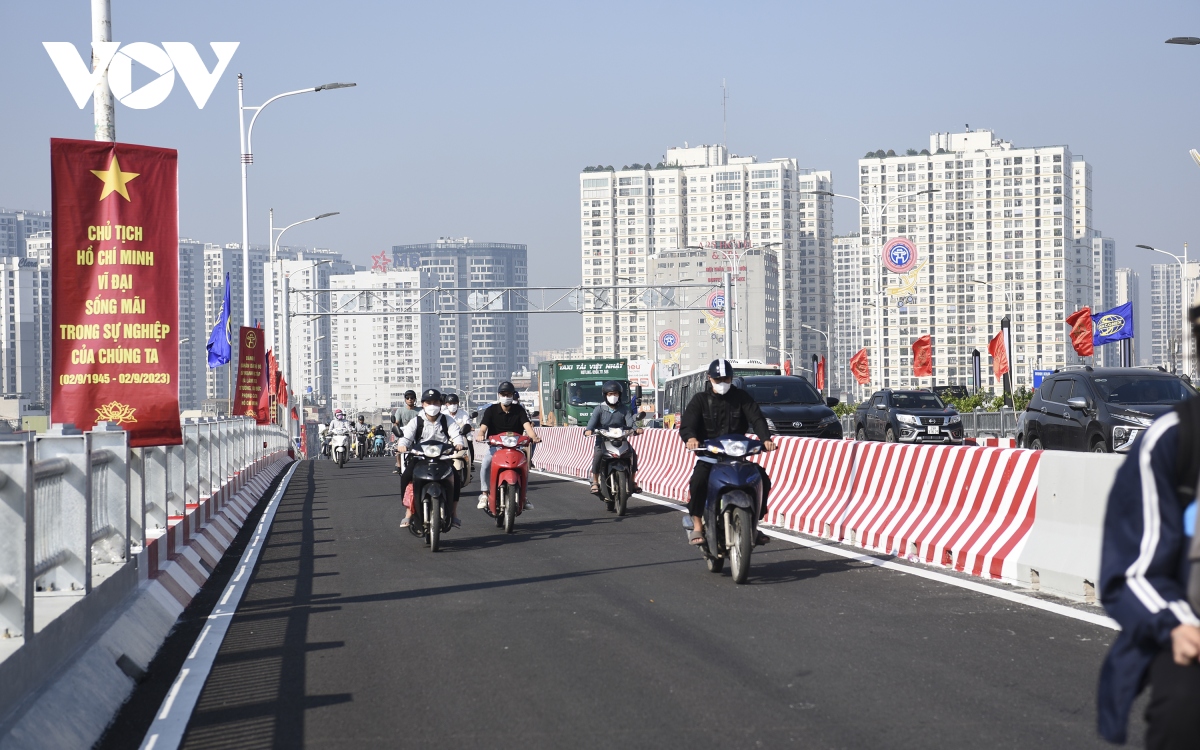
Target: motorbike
[360, 444]
[616, 468]
[463, 463]
[326, 448]
[340, 444]
[732, 506]
[433, 491]
[377, 446]
[509, 479]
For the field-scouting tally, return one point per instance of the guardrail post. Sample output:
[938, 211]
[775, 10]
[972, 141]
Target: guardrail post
[191, 461]
[62, 514]
[16, 537]
[203, 459]
[157, 487]
[137, 498]
[110, 493]
[177, 478]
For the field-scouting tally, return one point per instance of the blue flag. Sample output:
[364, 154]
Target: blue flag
[1113, 325]
[219, 348]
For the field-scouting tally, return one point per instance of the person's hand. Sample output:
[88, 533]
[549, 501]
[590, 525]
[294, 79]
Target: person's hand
[693, 444]
[587, 433]
[401, 449]
[1185, 644]
[638, 431]
[536, 439]
[769, 445]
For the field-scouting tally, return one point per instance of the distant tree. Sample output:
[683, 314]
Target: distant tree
[924, 152]
[870, 155]
[911, 152]
[941, 150]
[891, 152]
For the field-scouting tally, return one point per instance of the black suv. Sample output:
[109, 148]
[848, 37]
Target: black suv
[1099, 409]
[792, 406]
[907, 417]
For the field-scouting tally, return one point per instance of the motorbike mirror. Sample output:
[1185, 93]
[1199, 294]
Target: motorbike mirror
[474, 414]
[739, 382]
[557, 398]
[832, 402]
[637, 392]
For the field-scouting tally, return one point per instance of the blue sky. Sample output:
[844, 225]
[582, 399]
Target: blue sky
[475, 119]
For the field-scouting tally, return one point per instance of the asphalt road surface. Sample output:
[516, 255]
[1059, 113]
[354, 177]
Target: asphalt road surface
[585, 630]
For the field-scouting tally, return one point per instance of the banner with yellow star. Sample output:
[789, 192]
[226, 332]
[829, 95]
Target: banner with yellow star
[115, 300]
[253, 398]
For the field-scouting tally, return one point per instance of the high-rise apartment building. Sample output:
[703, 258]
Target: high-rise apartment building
[16, 227]
[377, 356]
[846, 329]
[1167, 315]
[477, 350]
[702, 197]
[19, 365]
[1126, 284]
[193, 336]
[1007, 232]
[38, 252]
[1104, 291]
[219, 260]
[701, 333]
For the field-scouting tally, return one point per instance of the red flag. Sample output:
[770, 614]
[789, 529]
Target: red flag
[295, 415]
[1081, 331]
[922, 350]
[115, 288]
[999, 353]
[821, 374]
[861, 367]
[282, 393]
[787, 367]
[272, 373]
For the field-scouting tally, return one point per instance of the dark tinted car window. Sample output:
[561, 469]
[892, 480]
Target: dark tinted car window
[879, 400]
[1140, 389]
[916, 400]
[783, 391]
[1061, 392]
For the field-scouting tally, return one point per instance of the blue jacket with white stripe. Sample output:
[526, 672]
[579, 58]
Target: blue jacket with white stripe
[1143, 569]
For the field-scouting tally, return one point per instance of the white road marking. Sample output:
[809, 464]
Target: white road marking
[788, 535]
[169, 725]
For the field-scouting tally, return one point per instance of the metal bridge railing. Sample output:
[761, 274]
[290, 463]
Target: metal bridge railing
[75, 507]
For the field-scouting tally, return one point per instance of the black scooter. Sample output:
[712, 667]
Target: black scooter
[731, 509]
[433, 491]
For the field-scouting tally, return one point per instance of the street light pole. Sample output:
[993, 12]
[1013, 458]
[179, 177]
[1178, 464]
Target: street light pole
[827, 348]
[875, 214]
[246, 135]
[103, 112]
[733, 261]
[1185, 353]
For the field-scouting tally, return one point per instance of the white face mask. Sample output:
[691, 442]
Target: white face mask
[721, 388]
[452, 408]
[506, 400]
[613, 398]
[433, 410]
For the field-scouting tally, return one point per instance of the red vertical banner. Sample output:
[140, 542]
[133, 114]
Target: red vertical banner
[860, 367]
[821, 374]
[115, 276]
[252, 398]
[922, 350]
[999, 353]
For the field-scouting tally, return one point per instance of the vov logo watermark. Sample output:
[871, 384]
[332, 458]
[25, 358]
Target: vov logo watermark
[166, 61]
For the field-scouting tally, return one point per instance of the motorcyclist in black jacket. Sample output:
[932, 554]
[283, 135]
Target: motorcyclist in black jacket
[720, 409]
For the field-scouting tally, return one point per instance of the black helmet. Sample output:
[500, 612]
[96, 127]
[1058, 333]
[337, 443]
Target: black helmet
[410, 393]
[452, 398]
[611, 386]
[506, 387]
[431, 395]
[362, 418]
[720, 368]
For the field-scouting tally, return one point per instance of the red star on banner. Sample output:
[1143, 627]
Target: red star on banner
[381, 262]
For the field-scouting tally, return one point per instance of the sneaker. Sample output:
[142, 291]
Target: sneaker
[528, 505]
[457, 522]
[483, 501]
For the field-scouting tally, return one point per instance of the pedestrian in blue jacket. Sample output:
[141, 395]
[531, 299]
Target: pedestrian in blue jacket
[1148, 533]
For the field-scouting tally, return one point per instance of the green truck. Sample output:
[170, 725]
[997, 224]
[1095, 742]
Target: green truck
[570, 389]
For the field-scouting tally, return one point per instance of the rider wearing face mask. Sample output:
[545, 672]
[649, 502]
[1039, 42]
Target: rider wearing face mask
[506, 416]
[430, 427]
[611, 413]
[453, 411]
[716, 411]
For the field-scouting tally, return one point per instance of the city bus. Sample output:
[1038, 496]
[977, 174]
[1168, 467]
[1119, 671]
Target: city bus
[679, 390]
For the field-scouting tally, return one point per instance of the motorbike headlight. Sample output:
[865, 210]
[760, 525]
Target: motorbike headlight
[432, 451]
[735, 448]
[954, 419]
[907, 419]
[509, 441]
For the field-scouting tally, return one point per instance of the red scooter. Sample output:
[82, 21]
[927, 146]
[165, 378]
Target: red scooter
[509, 479]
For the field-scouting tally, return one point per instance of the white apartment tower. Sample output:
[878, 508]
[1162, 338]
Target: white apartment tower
[1008, 231]
[193, 336]
[1167, 306]
[19, 363]
[382, 343]
[846, 334]
[38, 253]
[1127, 291]
[1104, 291]
[219, 260]
[16, 227]
[703, 197]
